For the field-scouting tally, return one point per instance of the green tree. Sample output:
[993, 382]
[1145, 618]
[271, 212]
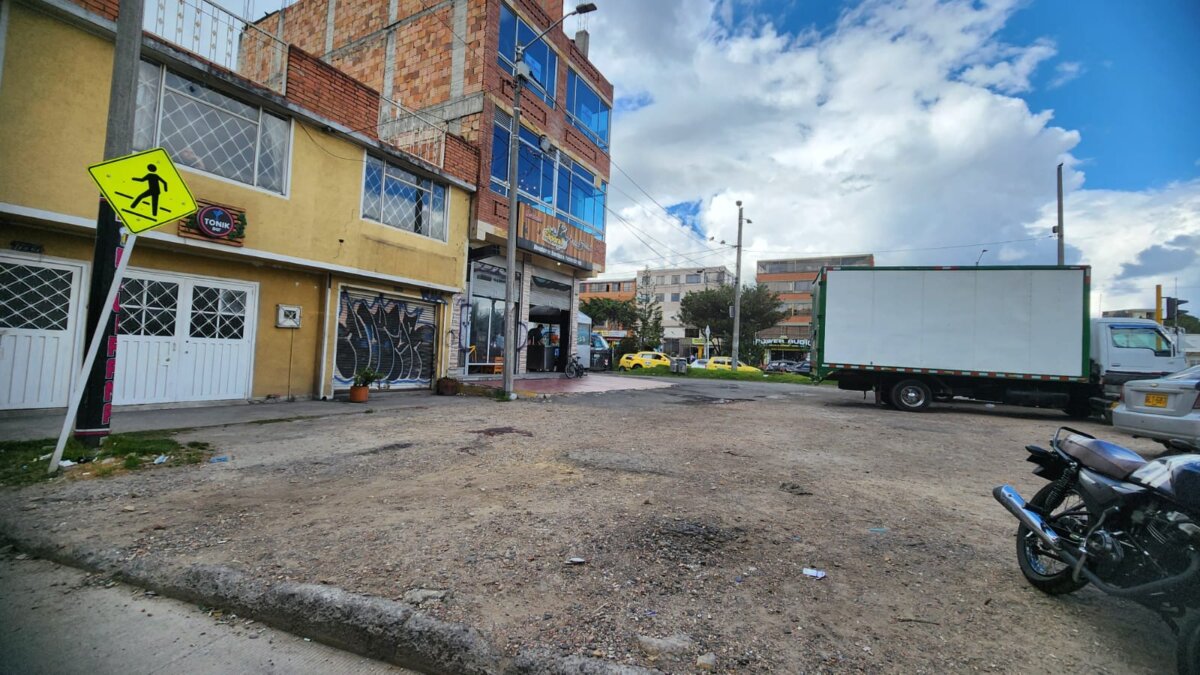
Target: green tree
[610, 310]
[1185, 321]
[761, 309]
[648, 329]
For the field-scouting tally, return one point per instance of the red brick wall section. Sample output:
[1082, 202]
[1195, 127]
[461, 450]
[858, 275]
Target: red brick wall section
[105, 8]
[327, 91]
[462, 159]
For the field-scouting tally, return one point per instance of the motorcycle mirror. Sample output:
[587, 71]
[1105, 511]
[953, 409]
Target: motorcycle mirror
[1180, 445]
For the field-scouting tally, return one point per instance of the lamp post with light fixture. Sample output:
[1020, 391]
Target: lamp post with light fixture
[521, 71]
[980, 257]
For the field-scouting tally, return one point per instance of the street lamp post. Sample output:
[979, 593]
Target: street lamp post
[521, 70]
[737, 295]
[980, 257]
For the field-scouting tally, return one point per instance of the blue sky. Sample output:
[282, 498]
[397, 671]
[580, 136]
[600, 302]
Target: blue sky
[1136, 101]
[1132, 83]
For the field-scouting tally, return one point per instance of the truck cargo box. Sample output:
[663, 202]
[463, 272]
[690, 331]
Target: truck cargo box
[1015, 322]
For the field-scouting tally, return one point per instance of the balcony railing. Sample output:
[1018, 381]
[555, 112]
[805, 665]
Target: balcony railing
[412, 132]
[221, 37]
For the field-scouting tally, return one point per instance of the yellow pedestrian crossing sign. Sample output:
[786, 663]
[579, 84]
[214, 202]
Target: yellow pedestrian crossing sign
[144, 189]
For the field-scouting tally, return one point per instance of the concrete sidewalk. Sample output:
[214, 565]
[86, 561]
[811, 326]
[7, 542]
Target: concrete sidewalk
[30, 425]
[19, 425]
[63, 621]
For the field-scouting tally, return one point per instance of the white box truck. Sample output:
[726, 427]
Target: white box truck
[1015, 335]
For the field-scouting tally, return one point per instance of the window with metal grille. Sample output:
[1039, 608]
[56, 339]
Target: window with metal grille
[403, 200]
[34, 297]
[207, 130]
[218, 313]
[148, 307]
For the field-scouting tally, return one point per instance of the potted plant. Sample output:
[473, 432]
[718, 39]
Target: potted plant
[363, 379]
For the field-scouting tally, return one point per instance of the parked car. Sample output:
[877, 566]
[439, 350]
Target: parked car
[803, 368]
[698, 363]
[724, 363]
[636, 360]
[1163, 409]
[780, 366]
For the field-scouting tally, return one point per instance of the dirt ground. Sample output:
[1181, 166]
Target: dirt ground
[695, 509]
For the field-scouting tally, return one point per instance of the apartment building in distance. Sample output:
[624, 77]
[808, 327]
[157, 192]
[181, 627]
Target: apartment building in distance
[611, 289]
[453, 62]
[792, 279]
[669, 285]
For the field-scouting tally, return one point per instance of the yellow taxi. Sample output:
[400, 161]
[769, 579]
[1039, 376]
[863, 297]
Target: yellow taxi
[724, 363]
[643, 360]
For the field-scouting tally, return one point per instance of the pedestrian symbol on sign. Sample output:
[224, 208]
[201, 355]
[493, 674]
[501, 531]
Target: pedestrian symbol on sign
[153, 180]
[145, 189]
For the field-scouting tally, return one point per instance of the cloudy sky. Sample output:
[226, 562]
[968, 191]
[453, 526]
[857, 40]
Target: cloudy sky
[921, 131]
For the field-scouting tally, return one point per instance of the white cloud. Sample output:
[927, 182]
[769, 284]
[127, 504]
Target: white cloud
[1065, 72]
[889, 132]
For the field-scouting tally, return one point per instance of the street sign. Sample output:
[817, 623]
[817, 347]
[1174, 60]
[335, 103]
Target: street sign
[144, 189]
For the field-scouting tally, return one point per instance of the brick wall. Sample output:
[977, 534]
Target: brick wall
[303, 25]
[331, 93]
[462, 159]
[105, 8]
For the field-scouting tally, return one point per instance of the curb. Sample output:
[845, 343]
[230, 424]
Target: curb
[369, 626]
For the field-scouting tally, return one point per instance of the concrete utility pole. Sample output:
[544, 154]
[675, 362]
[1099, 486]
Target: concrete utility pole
[1059, 230]
[514, 145]
[92, 422]
[737, 295]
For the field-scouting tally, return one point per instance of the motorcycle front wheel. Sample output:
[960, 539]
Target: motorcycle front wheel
[1042, 570]
[1188, 650]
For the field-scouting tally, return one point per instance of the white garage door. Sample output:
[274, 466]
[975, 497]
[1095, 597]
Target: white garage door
[184, 338]
[39, 315]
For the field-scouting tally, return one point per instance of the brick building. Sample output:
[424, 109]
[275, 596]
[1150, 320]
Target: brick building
[793, 279]
[610, 289]
[452, 62]
[341, 252]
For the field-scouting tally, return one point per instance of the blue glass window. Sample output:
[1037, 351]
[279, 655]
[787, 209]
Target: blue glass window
[586, 110]
[549, 181]
[542, 61]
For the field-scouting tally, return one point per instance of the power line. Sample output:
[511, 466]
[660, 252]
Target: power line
[904, 250]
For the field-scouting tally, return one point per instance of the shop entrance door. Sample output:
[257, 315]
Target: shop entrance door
[391, 335]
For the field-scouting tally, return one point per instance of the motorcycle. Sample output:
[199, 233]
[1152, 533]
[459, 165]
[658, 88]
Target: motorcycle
[575, 367]
[1128, 526]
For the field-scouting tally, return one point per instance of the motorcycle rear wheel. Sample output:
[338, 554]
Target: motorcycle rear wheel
[1188, 650]
[1048, 575]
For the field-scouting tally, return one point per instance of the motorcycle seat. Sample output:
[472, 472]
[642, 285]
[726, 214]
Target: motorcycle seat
[1106, 458]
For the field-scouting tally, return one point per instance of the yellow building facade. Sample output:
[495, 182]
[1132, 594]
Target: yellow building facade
[341, 252]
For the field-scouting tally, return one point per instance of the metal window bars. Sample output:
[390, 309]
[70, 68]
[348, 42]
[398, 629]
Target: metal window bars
[222, 37]
[412, 132]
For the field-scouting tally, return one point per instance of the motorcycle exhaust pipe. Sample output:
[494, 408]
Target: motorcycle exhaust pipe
[1011, 500]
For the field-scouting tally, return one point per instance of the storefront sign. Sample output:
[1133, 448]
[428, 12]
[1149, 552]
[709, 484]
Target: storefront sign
[804, 343]
[546, 235]
[217, 223]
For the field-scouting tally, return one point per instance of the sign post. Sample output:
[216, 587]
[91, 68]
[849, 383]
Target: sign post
[145, 191]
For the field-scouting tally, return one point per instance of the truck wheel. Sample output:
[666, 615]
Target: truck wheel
[911, 395]
[885, 397]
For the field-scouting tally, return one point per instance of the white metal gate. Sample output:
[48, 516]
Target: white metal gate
[39, 328]
[184, 339]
